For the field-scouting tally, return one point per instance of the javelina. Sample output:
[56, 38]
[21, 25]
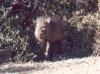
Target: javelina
[49, 32]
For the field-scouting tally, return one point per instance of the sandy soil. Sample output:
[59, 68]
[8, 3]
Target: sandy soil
[87, 65]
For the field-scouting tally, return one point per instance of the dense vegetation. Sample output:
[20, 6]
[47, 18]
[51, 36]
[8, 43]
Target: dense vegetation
[17, 19]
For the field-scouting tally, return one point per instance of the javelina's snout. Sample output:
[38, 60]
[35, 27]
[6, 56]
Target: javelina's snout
[51, 31]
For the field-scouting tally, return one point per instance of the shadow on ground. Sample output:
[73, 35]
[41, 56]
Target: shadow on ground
[20, 69]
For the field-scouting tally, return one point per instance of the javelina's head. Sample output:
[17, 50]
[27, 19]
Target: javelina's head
[42, 27]
[42, 23]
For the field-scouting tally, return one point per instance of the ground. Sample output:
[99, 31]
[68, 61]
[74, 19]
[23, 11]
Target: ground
[86, 65]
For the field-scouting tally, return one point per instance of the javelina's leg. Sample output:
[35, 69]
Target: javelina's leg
[43, 49]
[49, 51]
[59, 44]
[59, 48]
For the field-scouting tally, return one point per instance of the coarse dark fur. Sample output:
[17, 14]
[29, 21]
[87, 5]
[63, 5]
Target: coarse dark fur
[49, 32]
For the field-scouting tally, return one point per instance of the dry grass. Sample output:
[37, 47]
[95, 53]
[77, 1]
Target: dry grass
[87, 65]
